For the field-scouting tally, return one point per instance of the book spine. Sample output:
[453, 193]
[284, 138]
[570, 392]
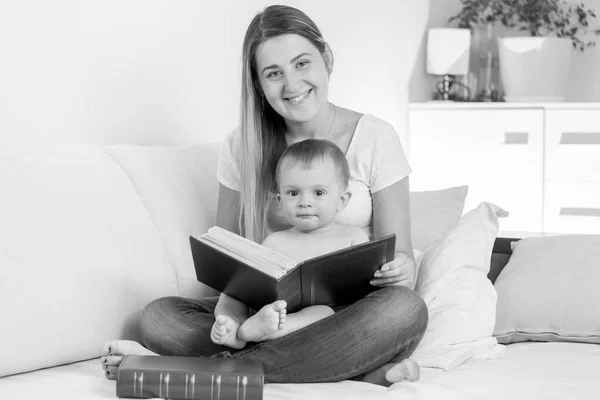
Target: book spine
[182, 385]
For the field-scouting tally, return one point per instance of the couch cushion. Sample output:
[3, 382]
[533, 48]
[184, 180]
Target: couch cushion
[548, 291]
[80, 255]
[179, 189]
[434, 213]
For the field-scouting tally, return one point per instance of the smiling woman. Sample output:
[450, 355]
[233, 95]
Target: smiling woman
[294, 78]
[285, 81]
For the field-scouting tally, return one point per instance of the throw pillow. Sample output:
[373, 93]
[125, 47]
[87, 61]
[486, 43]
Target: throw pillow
[433, 213]
[452, 279]
[548, 291]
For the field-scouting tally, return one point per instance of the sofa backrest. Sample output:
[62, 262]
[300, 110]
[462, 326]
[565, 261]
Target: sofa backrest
[88, 236]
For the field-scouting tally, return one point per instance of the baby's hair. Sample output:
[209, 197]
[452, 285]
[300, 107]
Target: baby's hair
[310, 150]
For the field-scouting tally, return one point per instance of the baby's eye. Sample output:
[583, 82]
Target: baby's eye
[319, 192]
[292, 193]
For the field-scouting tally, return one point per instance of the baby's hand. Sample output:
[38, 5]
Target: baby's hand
[398, 272]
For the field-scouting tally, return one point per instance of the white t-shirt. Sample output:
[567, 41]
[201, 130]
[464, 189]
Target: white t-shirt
[376, 159]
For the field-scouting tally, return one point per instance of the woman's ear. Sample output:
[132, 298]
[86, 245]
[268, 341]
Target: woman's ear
[344, 199]
[328, 56]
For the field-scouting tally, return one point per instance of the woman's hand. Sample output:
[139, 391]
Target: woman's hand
[398, 272]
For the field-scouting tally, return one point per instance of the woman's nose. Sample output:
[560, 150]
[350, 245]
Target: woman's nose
[293, 82]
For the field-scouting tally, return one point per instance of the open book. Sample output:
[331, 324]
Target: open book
[257, 275]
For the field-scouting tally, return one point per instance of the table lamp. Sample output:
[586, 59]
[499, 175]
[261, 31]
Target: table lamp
[448, 55]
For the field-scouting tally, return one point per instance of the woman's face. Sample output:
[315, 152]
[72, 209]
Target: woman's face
[293, 77]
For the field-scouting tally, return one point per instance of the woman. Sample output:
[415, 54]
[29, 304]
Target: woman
[285, 78]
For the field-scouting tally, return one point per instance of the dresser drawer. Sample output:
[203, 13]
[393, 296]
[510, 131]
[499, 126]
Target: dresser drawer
[572, 147]
[498, 153]
[572, 207]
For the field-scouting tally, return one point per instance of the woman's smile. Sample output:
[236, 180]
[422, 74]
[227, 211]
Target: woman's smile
[299, 99]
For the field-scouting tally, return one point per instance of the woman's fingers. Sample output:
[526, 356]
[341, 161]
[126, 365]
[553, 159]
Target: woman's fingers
[395, 280]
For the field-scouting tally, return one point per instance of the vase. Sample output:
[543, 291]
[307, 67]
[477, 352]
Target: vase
[535, 69]
[485, 64]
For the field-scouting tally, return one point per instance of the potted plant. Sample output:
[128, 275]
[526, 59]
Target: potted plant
[534, 66]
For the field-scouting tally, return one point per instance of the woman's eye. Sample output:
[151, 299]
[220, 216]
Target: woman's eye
[274, 74]
[302, 63]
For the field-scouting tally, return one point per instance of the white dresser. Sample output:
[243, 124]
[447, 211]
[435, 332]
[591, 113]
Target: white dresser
[540, 162]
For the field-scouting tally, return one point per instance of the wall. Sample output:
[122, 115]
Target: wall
[584, 78]
[167, 72]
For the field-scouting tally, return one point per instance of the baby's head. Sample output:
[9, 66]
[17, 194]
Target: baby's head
[312, 183]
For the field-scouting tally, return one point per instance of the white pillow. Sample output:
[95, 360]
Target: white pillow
[461, 300]
[433, 213]
[548, 291]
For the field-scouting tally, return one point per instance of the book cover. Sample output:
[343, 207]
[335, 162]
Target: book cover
[175, 377]
[256, 276]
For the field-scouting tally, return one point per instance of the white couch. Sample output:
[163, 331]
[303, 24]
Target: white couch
[89, 235]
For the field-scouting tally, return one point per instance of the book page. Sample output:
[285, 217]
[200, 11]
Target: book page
[266, 268]
[248, 251]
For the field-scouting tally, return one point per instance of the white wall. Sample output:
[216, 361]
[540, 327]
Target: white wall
[584, 82]
[167, 72]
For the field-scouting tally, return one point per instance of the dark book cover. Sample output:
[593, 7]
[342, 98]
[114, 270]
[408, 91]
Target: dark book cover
[173, 377]
[337, 278]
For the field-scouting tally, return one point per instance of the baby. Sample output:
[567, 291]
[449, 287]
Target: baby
[312, 187]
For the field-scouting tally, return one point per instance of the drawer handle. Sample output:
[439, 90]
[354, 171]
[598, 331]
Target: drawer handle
[516, 137]
[580, 211]
[580, 138]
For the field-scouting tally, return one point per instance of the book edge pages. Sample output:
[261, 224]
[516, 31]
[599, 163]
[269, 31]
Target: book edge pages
[263, 253]
[265, 268]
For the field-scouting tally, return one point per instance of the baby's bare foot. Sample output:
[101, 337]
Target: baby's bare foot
[113, 352]
[405, 370]
[268, 320]
[224, 332]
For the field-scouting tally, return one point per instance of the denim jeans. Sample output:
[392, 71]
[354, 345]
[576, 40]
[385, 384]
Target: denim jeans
[385, 326]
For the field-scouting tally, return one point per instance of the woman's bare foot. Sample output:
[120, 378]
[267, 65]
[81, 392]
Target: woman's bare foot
[268, 320]
[405, 370]
[386, 375]
[224, 332]
[113, 352]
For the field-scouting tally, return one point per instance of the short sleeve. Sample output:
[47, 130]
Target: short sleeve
[390, 164]
[228, 173]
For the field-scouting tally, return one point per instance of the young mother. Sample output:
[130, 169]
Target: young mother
[285, 79]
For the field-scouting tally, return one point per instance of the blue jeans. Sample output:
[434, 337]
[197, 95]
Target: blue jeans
[386, 325]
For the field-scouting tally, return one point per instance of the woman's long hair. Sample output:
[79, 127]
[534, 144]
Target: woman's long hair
[262, 129]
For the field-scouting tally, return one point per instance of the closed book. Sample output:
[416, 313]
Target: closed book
[256, 275]
[177, 377]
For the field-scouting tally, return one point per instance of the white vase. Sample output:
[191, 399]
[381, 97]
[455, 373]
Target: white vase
[534, 69]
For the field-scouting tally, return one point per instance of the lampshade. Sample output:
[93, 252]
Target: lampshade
[448, 51]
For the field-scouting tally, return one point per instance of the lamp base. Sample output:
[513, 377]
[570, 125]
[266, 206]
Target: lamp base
[444, 87]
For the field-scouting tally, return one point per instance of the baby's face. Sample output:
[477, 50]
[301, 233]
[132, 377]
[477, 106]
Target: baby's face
[310, 197]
